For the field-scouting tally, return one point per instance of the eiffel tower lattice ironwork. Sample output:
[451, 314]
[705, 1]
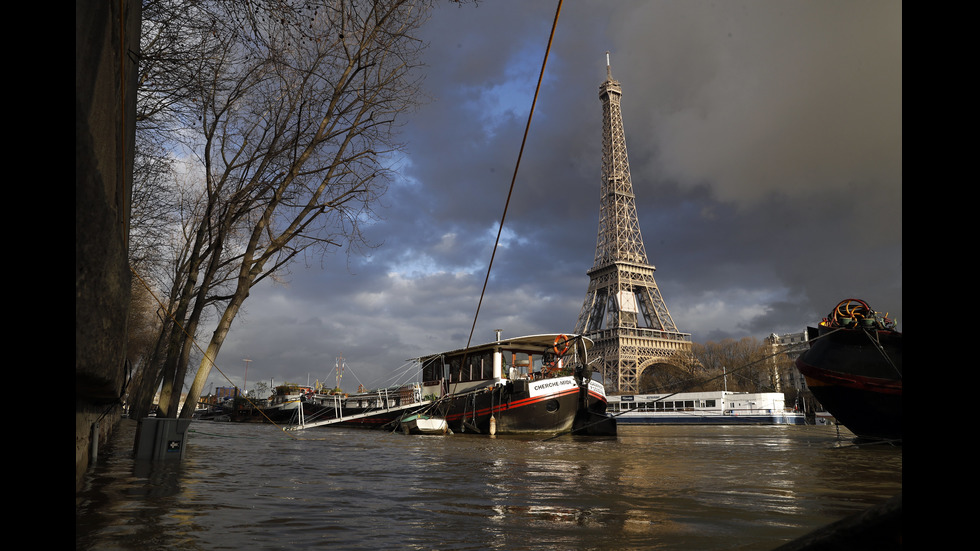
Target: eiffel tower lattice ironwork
[624, 313]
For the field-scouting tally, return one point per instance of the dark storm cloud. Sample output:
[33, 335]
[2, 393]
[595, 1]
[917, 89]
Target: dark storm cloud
[765, 143]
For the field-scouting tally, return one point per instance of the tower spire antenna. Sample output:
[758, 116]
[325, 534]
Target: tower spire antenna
[624, 313]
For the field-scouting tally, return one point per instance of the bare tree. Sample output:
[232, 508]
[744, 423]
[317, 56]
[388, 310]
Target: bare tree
[174, 52]
[289, 112]
[741, 364]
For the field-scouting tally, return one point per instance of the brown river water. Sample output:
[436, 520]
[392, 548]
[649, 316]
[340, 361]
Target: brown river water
[253, 487]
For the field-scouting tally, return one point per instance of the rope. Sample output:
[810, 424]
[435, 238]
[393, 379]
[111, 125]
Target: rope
[881, 350]
[513, 179]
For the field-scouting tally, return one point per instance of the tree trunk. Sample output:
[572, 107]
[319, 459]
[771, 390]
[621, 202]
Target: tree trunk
[149, 379]
[217, 339]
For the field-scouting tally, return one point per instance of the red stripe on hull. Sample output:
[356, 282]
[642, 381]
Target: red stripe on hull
[856, 382]
[512, 405]
[597, 396]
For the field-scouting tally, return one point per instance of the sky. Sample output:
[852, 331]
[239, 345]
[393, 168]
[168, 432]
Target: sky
[765, 148]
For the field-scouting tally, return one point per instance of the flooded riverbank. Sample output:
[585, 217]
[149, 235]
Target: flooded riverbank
[652, 487]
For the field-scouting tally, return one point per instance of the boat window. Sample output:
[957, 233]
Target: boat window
[432, 370]
[478, 366]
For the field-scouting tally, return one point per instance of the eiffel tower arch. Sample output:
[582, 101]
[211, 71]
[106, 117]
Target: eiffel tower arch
[624, 312]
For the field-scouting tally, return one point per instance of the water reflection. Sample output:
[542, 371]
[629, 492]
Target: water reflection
[652, 487]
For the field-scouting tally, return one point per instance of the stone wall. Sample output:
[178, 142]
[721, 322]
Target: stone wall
[106, 50]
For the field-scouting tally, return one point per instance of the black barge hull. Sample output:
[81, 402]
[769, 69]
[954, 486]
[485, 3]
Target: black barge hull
[856, 374]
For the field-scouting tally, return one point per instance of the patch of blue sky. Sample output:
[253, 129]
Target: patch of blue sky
[510, 99]
[419, 263]
[420, 266]
[508, 236]
[400, 164]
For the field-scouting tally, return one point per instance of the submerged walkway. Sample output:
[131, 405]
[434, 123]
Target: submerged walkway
[334, 420]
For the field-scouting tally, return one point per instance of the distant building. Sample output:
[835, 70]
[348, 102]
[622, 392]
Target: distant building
[783, 375]
[223, 392]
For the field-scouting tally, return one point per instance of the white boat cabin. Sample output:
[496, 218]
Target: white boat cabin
[717, 402]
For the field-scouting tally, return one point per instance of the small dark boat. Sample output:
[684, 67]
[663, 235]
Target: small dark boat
[853, 366]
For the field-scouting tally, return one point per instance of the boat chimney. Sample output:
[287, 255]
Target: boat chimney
[498, 359]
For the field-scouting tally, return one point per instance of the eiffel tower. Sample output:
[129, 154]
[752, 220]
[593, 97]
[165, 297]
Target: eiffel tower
[624, 313]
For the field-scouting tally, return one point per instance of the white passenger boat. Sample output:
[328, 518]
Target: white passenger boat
[704, 408]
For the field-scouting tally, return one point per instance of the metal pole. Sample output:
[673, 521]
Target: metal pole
[245, 382]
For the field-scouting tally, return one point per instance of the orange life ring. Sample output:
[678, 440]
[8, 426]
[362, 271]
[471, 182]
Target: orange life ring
[561, 340]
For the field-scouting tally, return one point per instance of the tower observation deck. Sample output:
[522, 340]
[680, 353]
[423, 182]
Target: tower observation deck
[624, 312]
